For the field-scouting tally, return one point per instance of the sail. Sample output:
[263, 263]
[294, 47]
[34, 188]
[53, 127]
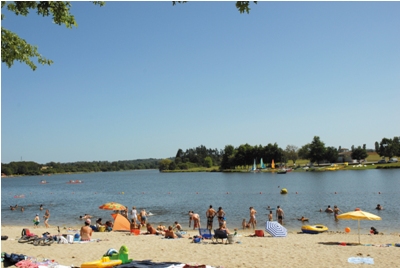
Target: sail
[273, 164]
[262, 164]
[254, 165]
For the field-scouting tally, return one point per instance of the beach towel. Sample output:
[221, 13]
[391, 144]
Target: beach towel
[358, 260]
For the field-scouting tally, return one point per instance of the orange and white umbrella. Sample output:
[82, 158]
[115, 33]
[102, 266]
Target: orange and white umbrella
[112, 206]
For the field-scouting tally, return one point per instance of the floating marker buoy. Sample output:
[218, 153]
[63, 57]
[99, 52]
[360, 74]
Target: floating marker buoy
[284, 191]
[347, 229]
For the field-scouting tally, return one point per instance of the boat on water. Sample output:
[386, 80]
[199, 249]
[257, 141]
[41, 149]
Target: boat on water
[262, 166]
[43, 182]
[74, 181]
[254, 168]
[314, 229]
[281, 171]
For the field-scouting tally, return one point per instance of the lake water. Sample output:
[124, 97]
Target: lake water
[169, 196]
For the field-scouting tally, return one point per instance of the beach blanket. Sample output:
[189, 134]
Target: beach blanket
[149, 263]
[358, 260]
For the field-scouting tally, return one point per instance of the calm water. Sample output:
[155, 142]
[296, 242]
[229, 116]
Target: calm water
[170, 196]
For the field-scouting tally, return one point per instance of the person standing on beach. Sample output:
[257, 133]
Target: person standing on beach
[221, 216]
[190, 217]
[280, 214]
[36, 221]
[253, 221]
[46, 218]
[336, 211]
[270, 216]
[143, 217]
[134, 215]
[196, 220]
[210, 214]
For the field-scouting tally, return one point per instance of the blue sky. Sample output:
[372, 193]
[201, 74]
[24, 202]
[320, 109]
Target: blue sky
[142, 79]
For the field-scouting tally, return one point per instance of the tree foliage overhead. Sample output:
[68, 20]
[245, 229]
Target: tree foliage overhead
[14, 48]
[242, 6]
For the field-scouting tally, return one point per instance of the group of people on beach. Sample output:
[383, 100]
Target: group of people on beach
[46, 217]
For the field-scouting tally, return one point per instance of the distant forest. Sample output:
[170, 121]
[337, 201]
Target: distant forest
[218, 160]
[33, 168]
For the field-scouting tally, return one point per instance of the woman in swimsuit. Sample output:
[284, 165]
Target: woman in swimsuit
[221, 216]
[46, 218]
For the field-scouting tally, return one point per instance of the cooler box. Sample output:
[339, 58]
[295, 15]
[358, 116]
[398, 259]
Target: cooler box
[260, 233]
[102, 229]
[105, 262]
[135, 231]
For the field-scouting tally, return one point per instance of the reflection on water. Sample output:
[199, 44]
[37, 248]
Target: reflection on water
[170, 196]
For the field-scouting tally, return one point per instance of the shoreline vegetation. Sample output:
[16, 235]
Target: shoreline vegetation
[313, 156]
[301, 166]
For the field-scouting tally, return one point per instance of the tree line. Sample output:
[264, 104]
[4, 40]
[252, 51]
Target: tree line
[33, 168]
[243, 156]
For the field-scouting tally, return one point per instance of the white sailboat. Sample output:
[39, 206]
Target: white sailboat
[254, 166]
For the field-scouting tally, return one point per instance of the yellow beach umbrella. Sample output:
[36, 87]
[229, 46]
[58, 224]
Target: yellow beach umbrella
[358, 215]
[273, 164]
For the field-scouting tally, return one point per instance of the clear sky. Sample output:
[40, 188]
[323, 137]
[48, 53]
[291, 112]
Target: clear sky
[142, 79]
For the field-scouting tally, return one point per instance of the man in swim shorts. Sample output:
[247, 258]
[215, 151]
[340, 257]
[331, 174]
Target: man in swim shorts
[279, 214]
[210, 214]
[86, 231]
[253, 221]
[36, 221]
[143, 217]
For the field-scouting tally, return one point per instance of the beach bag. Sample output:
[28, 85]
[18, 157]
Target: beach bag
[70, 238]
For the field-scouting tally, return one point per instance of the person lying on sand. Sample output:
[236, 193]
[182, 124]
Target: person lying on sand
[151, 230]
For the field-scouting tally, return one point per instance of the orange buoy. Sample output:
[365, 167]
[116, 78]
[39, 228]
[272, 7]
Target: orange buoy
[347, 229]
[357, 209]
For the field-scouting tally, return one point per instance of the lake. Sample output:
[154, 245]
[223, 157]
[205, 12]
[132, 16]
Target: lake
[169, 196]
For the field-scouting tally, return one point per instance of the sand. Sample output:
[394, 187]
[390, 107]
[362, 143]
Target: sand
[294, 250]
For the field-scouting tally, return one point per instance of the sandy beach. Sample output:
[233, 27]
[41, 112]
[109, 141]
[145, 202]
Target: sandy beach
[294, 250]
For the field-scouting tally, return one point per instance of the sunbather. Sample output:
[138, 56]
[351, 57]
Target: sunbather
[151, 230]
[86, 231]
[169, 233]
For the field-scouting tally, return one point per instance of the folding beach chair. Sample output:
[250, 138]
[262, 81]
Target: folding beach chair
[220, 234]
[205, 233]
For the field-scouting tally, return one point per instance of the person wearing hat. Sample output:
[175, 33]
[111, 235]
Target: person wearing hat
[86, 231]
[36, 221]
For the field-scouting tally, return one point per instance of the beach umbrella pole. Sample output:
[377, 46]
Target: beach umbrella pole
[359, 231]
